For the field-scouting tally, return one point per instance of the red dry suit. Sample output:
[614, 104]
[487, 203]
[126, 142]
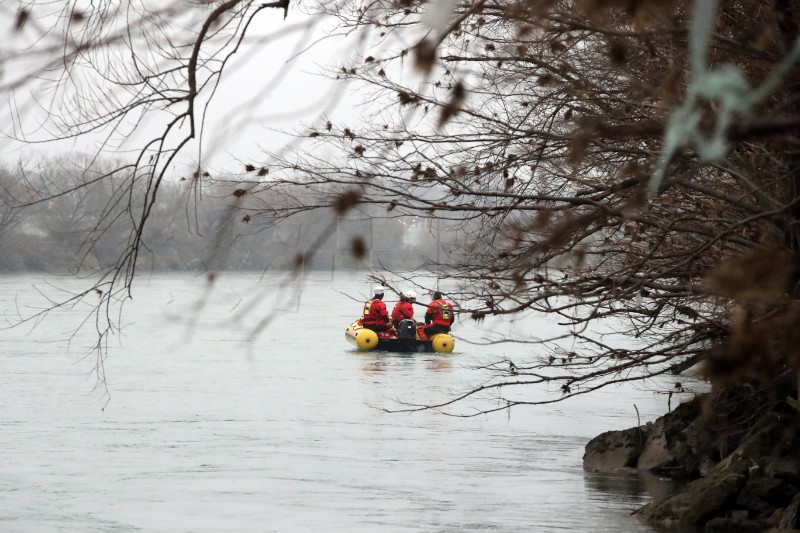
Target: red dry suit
[375, 313]
[440, 313]
[402, 310]
[439, 318]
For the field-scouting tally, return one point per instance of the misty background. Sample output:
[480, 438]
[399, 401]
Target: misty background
[193, 228]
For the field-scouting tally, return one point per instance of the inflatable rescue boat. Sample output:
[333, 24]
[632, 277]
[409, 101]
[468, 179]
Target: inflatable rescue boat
[407, 339]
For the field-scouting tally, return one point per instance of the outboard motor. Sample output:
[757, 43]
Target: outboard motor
[406, 329]
[407, 335]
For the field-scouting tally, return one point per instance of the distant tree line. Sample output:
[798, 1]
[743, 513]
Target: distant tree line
[58, 218]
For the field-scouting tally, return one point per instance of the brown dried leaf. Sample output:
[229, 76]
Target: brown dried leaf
[359, 247]
[542, 219]
[453, 107]
[346, 201]
[636, 199]
[22, 19]
[671, 87]
[762, 275]
[424, 56]
[617, 52]
[578, 147]
[407, 98]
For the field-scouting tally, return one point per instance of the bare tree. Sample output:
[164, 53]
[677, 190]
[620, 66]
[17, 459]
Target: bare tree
[107, 72]
[626, 165]
[629, 163]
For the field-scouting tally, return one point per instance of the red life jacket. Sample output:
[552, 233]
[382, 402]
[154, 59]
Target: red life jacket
[402, 310]
[441, 312]
[375, 312]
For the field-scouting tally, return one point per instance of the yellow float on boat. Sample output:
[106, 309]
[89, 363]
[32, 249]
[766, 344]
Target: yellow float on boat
[442, 343]
[366, 339]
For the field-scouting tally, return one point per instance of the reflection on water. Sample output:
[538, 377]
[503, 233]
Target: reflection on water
[442, 364]
[381, 361]
[641, 487]
[206, 432]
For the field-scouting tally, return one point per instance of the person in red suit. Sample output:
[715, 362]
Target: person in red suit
[439, 316]
[404, 309]
[375, 316]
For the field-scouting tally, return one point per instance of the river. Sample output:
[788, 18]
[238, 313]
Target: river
[210, 421]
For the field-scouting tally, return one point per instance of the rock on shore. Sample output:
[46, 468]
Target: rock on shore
[738, 449]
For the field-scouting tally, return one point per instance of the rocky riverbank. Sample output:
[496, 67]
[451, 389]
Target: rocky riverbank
[738, 449]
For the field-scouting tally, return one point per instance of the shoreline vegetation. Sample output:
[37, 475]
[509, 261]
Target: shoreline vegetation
[736, 448]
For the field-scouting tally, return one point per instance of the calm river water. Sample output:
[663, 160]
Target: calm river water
[202, 430]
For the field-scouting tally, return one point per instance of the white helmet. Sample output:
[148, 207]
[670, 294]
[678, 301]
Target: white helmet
[411, 295]
[379, 290]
